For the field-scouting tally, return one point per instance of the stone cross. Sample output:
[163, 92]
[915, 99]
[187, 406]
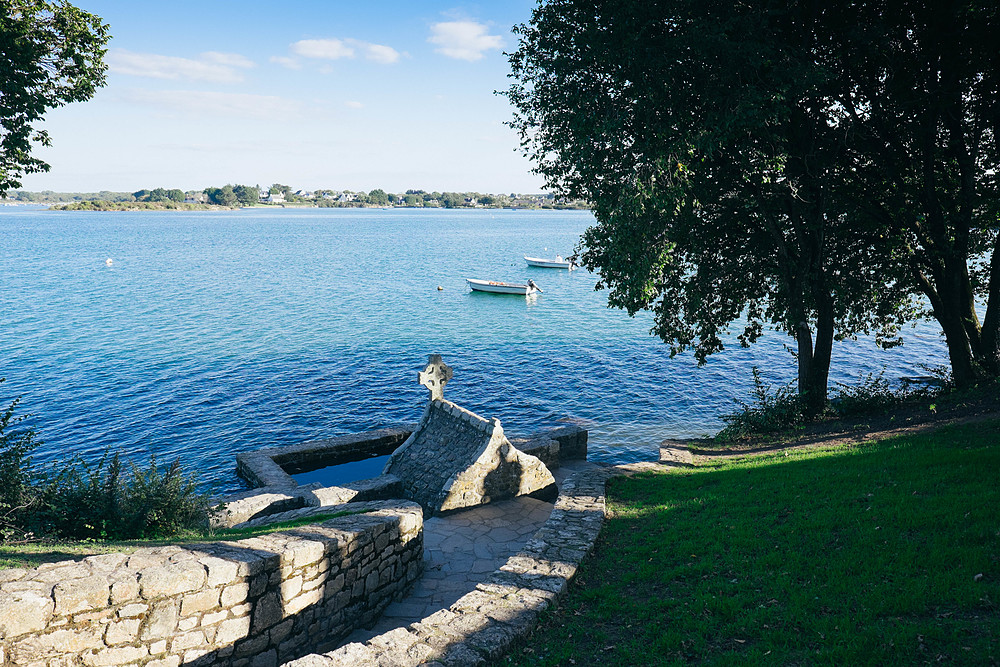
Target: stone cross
[435, 376]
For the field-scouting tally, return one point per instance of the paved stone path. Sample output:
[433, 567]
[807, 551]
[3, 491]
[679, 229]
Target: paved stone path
[461, 550]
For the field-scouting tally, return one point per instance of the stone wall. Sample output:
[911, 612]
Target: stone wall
[256, 602]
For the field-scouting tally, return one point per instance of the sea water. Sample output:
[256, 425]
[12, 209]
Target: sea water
[212, 333]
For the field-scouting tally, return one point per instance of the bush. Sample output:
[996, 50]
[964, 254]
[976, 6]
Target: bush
[770, 411]
[16, 491]
[871, 394]
[79, 501]
[106, 503]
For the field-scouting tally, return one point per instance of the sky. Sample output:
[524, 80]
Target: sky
[313, 94]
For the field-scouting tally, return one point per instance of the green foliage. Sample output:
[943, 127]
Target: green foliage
[770, 410]
[378, 197]
[106, 502]
[51, 53]
[697, 130]
[872, 394]
[16, 493]
[224, 196]
[79, 501]
[246, 195]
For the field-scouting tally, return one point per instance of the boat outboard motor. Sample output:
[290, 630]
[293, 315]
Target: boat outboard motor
[531, 284]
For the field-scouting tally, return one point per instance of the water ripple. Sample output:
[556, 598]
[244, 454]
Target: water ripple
[215, 333]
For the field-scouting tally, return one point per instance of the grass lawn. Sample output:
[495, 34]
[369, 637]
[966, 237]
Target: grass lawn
[34, 554]
[882, 553]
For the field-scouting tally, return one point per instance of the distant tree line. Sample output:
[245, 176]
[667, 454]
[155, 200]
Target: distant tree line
[238, 195]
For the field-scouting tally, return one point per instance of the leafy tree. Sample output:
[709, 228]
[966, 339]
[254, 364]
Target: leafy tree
[919, 95]
[52, 54]
[246, 195]
[698, 132]
[378, 197]
[410, 200]
[278, 188]
[224, 196]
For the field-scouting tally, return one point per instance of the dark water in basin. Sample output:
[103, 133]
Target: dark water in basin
[215, 333]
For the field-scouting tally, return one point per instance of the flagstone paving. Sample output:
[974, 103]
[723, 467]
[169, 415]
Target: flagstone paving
[462, 549]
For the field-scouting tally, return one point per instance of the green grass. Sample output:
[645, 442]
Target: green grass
[866, 555]
[34, 554]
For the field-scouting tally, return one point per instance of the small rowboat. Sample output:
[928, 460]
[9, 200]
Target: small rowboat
[502, 288]
[557, 263]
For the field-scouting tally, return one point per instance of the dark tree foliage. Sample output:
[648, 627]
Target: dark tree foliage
[920, 98]
[51, 53]
[698, 131]
[246, 195]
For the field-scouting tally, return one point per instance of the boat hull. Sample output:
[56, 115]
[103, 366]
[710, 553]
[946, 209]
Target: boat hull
[495, 287]
[548, 263]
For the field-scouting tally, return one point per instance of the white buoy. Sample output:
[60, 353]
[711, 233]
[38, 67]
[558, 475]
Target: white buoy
[108, 261]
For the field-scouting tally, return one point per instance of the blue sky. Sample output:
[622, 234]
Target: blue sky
[342, 95]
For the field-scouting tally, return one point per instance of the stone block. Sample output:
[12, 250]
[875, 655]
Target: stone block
[266, 659]
[81, 594]
[234, 594]
[232, 630]
[267, 611]
[113, 656]
[122, 632]
[220, 571]
[173, 579]
[161, 621]
[133, 610]
[24, 611]
[124, 587]
[197, 602]
[44, 646]
[187, 640]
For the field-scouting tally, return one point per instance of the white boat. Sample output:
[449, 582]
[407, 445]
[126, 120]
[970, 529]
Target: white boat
[503, 288]
[557, 263]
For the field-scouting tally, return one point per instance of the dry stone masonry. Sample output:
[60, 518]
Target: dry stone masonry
[256, 602]
[456, 459]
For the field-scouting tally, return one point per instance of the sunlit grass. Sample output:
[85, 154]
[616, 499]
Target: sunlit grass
[868, 555]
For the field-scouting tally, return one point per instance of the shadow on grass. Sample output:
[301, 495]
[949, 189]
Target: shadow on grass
[869, 555]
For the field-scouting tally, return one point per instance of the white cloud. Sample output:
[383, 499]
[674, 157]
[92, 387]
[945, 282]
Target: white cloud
[384, 55]
[464, 40]
[212, 66]
[335, 49]
[354, 104]
[285, 61]
[197, 103]
[324, 49]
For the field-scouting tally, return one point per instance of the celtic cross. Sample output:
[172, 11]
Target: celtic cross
[435, 376]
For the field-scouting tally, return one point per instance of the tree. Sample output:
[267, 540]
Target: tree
[278, 188]
[698, 131]
[52, 54]
[246, 195]
[378, 197]
[224, 196]
[919, 94]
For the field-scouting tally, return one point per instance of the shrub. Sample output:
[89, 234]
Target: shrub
[104, 502]
[769, 411]
[871, 394]
[16, 491]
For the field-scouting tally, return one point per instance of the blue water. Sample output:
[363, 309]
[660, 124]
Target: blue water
[213, 333]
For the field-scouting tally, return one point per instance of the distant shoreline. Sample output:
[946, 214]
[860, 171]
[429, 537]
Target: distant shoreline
[128, 207]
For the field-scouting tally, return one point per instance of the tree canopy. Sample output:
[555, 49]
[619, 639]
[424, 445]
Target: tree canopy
[732, 180]
[51, 54]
